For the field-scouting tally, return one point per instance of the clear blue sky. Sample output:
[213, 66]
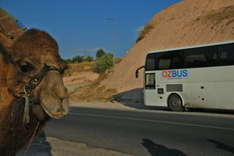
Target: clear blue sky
[85, 25]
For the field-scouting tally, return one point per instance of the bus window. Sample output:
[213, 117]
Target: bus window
[195, 58]
[177, 60]
[164, 63]
[150, 62]
[211, 55]
[226, 55]
[171, 60]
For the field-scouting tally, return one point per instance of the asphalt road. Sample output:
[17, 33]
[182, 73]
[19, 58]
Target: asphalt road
[156, 133]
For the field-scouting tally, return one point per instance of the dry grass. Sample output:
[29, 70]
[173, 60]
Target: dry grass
[147, 28]
[94, 91]
[79, 67]
[218, 16]
[118, 60]
[84, 66]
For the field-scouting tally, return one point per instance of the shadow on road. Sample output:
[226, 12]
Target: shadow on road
[160, 150]
[135, 99]
[214, 111]
[39, 147]
[132, 98]
[222, 146]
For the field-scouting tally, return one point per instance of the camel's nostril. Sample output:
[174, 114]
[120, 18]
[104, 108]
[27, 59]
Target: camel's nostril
[61, 100]
[60, 109]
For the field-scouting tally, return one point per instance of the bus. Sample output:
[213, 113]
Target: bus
[200, 76]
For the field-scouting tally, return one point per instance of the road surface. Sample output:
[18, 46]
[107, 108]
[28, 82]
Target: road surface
[148, 133]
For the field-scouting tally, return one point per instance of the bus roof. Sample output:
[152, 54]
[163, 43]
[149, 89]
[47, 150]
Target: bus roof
[190, 47]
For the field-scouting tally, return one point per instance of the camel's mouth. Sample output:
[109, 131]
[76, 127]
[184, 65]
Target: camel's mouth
[44, 111]
[56, 111]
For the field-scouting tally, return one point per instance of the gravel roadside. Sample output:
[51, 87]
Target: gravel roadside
[50, 146]
[67, 148]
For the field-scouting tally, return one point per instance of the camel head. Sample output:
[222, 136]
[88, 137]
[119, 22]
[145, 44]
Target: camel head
[38, 68]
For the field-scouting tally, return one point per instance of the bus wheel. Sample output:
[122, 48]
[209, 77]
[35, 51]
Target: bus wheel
[175, 103]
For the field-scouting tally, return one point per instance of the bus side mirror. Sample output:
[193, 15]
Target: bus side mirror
[137, 71]
[137, 74]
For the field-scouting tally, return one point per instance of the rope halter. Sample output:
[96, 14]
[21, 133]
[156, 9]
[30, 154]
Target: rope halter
[30, 86]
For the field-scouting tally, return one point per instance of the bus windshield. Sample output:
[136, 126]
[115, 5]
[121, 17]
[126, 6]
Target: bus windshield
[150, 62]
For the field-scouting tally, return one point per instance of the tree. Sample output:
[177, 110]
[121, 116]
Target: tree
[68, 60]
[88, 58]
[103, 63]
[77, 59]
[100, 53]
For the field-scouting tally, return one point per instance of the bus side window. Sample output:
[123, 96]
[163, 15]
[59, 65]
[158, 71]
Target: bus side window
[177, 60]
[226, 54]
[195, 58]
[211, 55]
[164, 61]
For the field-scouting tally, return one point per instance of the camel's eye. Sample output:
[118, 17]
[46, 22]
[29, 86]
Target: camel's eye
[26, 67]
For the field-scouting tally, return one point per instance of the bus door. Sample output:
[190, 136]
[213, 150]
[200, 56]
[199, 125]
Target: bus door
[150, 93]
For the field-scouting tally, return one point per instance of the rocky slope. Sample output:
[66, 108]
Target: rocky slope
[189, 22]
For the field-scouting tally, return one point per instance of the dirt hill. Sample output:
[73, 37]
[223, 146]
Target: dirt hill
[189, 22]
[80, 73]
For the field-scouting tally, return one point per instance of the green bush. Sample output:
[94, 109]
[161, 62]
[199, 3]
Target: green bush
[103, 63]
[68, 60]
[100, 53]
[88, 58]
[79, 59]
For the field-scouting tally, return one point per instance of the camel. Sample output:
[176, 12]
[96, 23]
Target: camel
[31, 89]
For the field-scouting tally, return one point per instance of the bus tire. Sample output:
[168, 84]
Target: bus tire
[175, 103]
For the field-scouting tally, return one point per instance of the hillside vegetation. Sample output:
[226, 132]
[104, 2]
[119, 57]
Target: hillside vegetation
[86, 79]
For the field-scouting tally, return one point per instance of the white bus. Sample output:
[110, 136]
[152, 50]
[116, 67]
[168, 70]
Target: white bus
[190, 77]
